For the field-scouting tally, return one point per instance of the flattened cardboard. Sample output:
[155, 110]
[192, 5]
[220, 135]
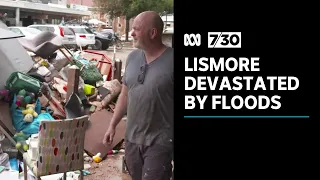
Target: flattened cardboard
[98, 125]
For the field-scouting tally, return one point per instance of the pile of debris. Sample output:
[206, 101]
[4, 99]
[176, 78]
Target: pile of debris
[45, 81]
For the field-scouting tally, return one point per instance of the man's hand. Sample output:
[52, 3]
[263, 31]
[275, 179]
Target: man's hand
[108, 136]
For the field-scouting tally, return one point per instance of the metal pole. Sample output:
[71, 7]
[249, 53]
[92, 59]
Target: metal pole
[17, 16]
[118, 26]
[113, 63]
[166, 19]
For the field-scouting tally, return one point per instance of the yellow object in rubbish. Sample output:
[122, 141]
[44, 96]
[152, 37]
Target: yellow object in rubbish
[97, 158]
[44, 63]
[88, 89]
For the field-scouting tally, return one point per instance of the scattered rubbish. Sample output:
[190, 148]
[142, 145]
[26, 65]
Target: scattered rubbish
[122, 151]
[88, 159]
[2, 168]
[4, 158]
[113, 152]
[87, 166]
[85, 172]
[54, 83]
[97, 158]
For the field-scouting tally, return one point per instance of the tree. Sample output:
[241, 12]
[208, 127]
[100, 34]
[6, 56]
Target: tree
[131, 8]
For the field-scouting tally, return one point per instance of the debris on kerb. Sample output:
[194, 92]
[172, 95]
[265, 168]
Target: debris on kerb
[54, 83]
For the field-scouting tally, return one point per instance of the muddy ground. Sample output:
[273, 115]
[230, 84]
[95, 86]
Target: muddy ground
[108, 169]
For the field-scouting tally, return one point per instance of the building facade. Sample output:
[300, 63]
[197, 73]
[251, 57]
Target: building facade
[27, 12]
[88, 3]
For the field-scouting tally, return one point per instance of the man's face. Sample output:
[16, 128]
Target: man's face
[140, 34]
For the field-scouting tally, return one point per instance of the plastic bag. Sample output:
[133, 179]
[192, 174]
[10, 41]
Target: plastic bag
[89, 73]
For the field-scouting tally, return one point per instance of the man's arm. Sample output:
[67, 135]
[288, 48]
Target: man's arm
[122, 102]
[121, 107]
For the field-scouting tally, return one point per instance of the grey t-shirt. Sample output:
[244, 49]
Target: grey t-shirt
[150, 105]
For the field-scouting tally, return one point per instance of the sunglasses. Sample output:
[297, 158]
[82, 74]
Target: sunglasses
[142, 74]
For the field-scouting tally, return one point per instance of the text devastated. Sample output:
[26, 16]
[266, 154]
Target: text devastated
[234, 83]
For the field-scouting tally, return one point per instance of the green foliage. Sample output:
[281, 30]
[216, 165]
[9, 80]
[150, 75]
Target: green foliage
[131, 8]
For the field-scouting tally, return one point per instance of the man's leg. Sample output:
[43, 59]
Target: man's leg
[133, 160]
[157, 163]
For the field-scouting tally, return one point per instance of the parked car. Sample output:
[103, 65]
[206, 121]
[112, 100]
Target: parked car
[103, 41]
[107, 30]
[29, 33]
[115, 40]
[84, 36]
[69, 37]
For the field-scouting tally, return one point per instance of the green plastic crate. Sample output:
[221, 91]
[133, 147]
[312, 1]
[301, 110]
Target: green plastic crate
[18, 81]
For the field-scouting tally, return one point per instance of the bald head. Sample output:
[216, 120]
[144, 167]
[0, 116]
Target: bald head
[147, 30]
[151, 20]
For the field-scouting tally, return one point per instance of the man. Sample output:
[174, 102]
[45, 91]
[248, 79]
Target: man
[147, 97]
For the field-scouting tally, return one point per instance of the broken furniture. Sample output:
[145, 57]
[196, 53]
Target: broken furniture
[61, 147]
[43, 44]
[11, 61]
[44, 48]
[47, 48]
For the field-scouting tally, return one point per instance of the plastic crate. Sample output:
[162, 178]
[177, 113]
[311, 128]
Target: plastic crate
[18, 81]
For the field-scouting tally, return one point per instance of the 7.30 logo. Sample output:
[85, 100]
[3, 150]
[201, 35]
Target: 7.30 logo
[224, 39]
[215, 40]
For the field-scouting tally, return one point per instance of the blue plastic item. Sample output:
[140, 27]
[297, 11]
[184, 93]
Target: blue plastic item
[14, 164]
[33, 127]
[27, 128]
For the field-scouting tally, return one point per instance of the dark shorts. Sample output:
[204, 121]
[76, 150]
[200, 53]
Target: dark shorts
[148, 162]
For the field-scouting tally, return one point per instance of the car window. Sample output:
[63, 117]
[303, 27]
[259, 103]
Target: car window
[51, 29]
[44, 28]
[89, 30]
[82, 30]
[67, 31]
[16, 30]
[31, 30]
[35, 27]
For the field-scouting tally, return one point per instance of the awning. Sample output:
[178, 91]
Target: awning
[95, 21]
[42, 7]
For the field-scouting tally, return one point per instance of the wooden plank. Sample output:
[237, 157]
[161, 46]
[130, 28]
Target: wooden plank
[73, 81]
